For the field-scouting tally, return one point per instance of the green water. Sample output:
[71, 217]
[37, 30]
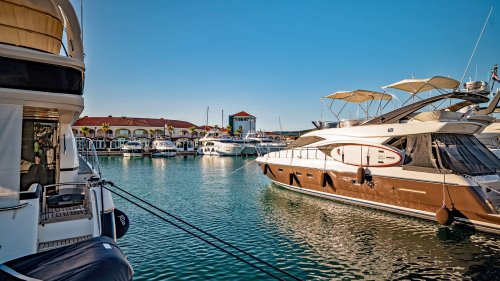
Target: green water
[312, 238]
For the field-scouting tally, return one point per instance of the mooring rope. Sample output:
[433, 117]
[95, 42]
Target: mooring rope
[202, 231]
[242, 167]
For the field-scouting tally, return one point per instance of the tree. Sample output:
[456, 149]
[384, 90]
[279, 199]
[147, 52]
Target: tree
[152, 132]
[170, 130]
[216, 127]
[229, 129]
[192, 130]
[105, 128]
[84, 130]
[239, 131]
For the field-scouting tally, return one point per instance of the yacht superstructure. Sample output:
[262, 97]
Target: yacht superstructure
[55, 196]
[163, 148]
[132, 149]
[426, 164]
[216, 144]
[262, 143]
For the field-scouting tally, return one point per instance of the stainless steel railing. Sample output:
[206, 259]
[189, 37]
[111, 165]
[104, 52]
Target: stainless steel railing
[87, 151]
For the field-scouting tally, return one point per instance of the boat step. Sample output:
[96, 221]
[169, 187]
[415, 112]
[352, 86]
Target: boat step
[46, 246]
[64, 214]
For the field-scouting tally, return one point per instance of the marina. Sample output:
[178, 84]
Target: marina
[313, 238]
[134, 179]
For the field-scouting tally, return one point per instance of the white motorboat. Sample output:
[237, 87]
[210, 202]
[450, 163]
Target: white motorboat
[216, 144]
[163, 148]
[428, 164]
[132, 149]
[55, 214]
[263, 144]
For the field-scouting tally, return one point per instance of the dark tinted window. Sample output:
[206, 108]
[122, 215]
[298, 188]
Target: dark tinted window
[36, 76]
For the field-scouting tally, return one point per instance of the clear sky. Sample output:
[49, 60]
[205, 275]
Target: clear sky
[271, 58]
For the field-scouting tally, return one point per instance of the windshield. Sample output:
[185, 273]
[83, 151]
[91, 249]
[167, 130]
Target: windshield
[444, 153]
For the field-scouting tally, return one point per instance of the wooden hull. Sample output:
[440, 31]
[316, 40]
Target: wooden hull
[410, 197]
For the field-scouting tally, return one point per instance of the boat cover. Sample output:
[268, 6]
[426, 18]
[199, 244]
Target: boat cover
[358, 96]
[95, 259]
[415, 86]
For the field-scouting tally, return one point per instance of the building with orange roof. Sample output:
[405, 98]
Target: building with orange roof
[241, 123]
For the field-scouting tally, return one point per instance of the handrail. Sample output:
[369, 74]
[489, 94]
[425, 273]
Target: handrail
[87, 151]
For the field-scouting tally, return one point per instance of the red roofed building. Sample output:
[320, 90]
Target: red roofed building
[242, 123]
[130, 127]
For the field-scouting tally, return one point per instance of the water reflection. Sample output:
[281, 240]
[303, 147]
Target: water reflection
[356, 242]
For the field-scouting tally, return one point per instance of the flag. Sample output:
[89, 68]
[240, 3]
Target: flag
[494, 74]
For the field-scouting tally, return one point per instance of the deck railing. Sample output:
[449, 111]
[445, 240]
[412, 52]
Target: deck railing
[87, 151]
[301, 153]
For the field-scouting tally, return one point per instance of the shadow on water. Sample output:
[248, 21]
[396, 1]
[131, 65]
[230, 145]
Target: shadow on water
[310, 237]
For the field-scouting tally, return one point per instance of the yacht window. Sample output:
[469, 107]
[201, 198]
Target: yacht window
[36, 76]
[303, 141]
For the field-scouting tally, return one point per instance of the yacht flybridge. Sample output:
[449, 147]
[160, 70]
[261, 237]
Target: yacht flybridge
[423, 164]
[58, 222]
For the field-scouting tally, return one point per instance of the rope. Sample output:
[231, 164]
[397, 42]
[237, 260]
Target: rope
[242, 167]
[204, 232]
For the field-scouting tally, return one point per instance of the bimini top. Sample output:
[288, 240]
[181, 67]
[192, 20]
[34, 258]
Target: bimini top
[358, 96]
[415, 86]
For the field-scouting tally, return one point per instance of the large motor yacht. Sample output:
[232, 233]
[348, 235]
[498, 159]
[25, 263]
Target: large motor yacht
[262, 143]
[58, 221]
[163, 148]
[423, 164]
[214, 143]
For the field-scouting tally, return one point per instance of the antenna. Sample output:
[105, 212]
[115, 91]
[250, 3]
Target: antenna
[475, 47]
[81, 16]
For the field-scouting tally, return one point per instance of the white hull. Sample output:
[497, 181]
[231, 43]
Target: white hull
[221, 150]
[132, 154]
[163, 154]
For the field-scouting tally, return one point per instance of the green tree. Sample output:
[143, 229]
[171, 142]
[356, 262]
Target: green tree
[192, 130]
[239, 131]
[105, 128]
[229, 129]
[170, 130]
[216, 127]
[152, 132]
[84, 130]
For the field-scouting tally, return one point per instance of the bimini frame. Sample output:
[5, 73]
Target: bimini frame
[417, 86]
[359, 97]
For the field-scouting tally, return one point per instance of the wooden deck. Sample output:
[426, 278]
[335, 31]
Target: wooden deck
[46, 246]
[65, 214]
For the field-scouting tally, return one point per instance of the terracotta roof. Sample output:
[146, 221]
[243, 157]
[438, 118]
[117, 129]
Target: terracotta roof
[243, 113]
[131, 121]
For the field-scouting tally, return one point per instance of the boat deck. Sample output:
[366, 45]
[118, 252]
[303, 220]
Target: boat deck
[60, 214]
[46, 246]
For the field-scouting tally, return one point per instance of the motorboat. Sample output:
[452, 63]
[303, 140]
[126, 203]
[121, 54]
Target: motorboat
[249, 148]
[58, 220]
[132, 149]
[215, 143]
[263, 144]
[163, 148]
[423, 164]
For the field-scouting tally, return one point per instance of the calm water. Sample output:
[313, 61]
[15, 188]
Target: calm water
[309, 237]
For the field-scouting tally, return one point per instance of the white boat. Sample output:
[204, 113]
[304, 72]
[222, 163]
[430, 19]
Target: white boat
[216, 144]
[263, 144]
[163, 148]
[132, 149]
[426, 164]
[55, 214]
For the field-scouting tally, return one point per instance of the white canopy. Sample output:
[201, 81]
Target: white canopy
[358, 96]
[415, 86]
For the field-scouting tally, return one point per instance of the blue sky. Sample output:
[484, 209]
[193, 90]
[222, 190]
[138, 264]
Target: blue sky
[271, 58]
